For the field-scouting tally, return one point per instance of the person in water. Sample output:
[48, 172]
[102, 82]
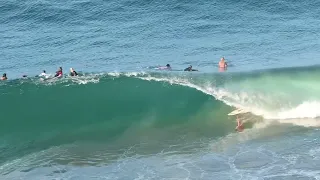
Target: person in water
[167, 67]
[4, 77]
[222, 63]
[73, 72]
[43, 73]
[240, 126]
[59, 73]
[190, 69]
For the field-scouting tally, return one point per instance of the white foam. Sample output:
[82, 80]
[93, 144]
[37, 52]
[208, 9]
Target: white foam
[308, 109]
[128, 74]
[303, 114]
[115, 74]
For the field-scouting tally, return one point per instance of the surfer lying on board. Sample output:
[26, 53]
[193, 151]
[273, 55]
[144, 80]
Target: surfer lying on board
[167, 67]
[239, 127]
[190, 69]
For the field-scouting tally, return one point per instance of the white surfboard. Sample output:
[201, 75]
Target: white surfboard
[238, 111]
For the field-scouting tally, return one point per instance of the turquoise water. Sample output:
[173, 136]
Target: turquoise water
[124, 119]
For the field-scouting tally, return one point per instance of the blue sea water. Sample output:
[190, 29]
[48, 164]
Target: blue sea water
[126, 35]
[124, 119]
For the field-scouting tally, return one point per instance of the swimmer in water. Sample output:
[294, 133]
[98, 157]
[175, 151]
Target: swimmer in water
[223, 63]
[59, 73]
[190, 69]
[240, 126]
[4, 77]
[73, 72]
[167, 67]
[43, 73]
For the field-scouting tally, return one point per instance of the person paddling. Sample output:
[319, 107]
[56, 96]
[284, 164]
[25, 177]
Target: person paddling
[4, 77]
[190, 69]
[59, 73]
[44, 74]
[73, 72]
[167, 67]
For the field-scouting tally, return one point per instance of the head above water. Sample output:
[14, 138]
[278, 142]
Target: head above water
[71, 69]
[168, 65]
[44, 71]
[222, 59]
[4, 75]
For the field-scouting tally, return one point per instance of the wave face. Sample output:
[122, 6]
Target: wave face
[38, 115]
[104, 119]
[128, 108]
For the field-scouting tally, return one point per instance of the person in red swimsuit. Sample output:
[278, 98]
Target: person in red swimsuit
[59, 73]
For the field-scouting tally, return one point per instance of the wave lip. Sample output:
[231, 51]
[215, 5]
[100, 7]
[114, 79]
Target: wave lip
[309, 109]
[273, 95]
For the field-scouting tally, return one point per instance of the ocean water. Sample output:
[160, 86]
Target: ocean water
[123, 118]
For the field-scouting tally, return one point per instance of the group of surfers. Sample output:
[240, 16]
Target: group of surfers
[58, 74]
[222, 66]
